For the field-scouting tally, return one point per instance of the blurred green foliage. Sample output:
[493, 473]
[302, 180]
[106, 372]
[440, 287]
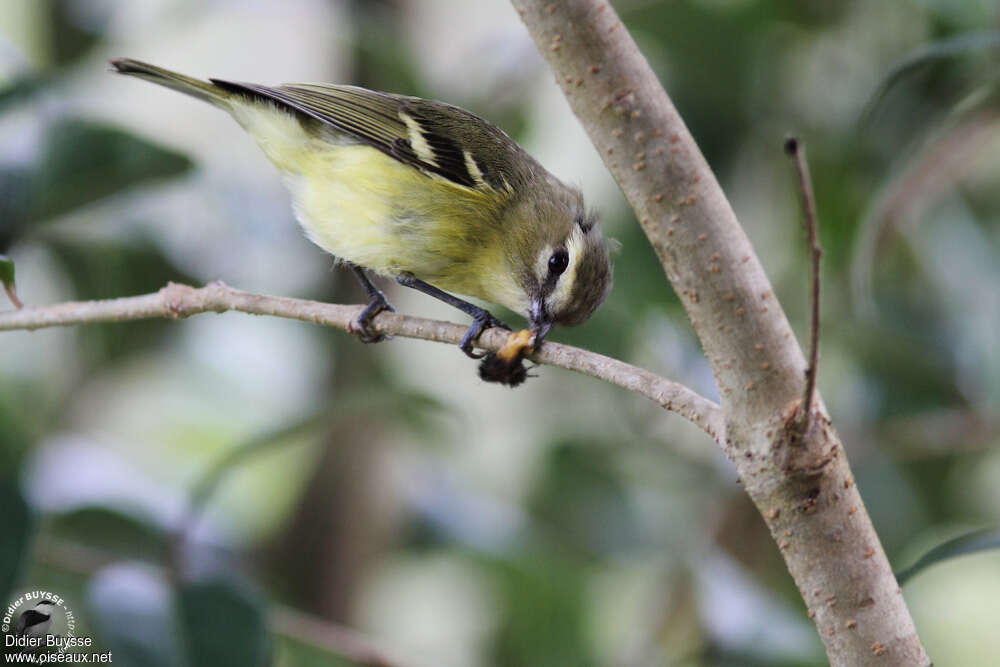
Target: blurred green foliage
[560, 509]
[225, 624]
[540, 592]
[17, 525]
[7, 273]
[63, 178]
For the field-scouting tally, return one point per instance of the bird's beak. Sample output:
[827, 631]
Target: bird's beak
[540, 321]
[541, 331]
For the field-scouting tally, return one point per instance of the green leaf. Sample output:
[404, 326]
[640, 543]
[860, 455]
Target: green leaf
[20, 89]
[114, 525]
[6, 271]
[980, 540]
[7, 279]
[542, 615]
[103, 269]
[83, 162]
[300, 654]
[131, 609]
[16, 522]
[582, 504]
[224, 624]
[77, 28]
[924, 56]
[15, 200]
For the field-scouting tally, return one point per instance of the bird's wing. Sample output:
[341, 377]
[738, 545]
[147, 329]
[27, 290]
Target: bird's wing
[429, 136]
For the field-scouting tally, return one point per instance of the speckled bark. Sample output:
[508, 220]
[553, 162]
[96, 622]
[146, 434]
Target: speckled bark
[802, 486]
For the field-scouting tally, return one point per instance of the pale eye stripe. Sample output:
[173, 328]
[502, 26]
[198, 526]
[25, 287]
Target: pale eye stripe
[473, 168]
[417, 140]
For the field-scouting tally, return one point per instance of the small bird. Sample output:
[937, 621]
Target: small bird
[423, 192]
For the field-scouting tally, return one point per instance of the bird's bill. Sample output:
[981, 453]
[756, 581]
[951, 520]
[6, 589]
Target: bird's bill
[541, 322]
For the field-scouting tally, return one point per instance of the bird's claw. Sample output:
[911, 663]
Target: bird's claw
[362, 326]
[479, 324]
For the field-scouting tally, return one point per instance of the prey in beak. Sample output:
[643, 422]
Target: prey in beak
[506, 365]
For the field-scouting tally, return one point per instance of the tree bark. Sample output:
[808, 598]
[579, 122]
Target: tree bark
[801, 483]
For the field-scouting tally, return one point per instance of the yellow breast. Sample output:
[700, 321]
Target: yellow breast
[369, 209]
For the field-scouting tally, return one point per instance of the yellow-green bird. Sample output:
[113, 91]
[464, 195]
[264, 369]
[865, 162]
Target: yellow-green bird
[423, 192]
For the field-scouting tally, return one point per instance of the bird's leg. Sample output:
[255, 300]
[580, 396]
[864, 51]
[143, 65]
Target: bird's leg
[377, 302]
[481, 318]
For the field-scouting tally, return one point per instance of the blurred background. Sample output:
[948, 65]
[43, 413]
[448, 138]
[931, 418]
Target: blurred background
[231, 489]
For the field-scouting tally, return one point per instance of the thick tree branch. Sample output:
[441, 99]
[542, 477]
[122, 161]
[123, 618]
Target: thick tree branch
[801, 483]
[179, 301]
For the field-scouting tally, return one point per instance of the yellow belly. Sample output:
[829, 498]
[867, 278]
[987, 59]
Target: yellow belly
[369, 209]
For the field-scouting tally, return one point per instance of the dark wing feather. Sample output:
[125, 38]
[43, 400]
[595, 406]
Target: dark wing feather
[429, 136]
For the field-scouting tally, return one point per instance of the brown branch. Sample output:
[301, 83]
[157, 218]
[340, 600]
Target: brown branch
[179, 301]
[797, 151]
[801, 483]
[333, 637]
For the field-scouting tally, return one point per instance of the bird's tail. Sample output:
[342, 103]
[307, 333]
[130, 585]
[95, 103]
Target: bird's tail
[203, 90]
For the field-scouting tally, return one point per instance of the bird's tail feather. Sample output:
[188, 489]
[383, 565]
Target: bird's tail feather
[203, 90]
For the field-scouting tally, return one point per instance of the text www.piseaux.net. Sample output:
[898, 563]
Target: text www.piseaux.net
[58, 658]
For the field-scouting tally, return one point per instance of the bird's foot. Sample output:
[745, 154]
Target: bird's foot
[362, 326]
[480, 322]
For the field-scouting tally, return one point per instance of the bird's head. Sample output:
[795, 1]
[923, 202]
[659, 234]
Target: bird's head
[564, 261]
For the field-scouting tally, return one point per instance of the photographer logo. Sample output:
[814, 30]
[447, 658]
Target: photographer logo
[38, 627]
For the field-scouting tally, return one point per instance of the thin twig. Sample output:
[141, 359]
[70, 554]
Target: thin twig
[797, 150]
[177, 301]
[12, 295]
[337, 639]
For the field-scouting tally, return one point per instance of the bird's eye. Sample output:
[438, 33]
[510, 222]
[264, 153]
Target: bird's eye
[558, 262]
